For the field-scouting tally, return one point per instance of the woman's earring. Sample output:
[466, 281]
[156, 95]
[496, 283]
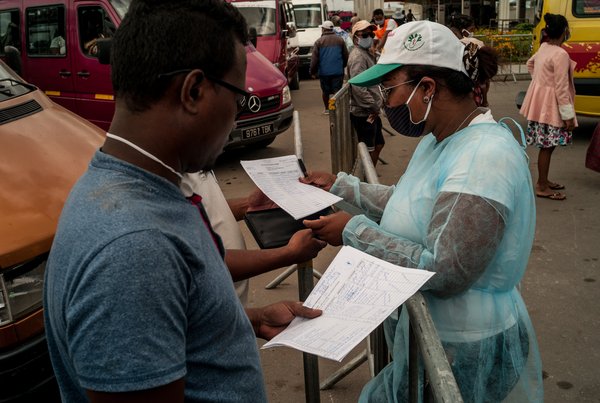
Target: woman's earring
[426, 99]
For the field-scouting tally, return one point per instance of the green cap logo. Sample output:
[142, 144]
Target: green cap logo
[414, 42]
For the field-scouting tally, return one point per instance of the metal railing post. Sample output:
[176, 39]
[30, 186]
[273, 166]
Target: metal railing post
[311, 362]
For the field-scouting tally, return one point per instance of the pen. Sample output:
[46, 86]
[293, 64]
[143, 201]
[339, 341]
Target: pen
[302, 167]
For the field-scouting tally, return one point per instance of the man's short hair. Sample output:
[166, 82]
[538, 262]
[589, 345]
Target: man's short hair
[158, 37]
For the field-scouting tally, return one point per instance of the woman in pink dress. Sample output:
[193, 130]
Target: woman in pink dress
[549, 103]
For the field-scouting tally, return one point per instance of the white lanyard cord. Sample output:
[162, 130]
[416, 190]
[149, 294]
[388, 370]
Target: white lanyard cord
[144, 152]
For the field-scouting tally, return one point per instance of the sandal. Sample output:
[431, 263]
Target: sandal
[556, 186]
[553, 196]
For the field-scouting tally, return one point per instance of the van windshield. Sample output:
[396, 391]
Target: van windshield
[260, 16]
[308, 16]
[121, 6]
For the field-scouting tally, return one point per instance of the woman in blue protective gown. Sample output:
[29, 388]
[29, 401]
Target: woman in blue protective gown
[463, 209]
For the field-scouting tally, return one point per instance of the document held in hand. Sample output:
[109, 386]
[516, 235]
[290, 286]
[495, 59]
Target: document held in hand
[356, 293]
[278, 179]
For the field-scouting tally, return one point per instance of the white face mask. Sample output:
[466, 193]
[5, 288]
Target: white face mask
[365, 43]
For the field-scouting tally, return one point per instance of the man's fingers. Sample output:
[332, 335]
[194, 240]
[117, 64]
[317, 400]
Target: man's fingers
[299, 310]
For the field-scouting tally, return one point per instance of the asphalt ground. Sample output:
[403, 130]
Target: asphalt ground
[560, 287]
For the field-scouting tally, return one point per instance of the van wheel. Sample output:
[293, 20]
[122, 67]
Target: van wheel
[295, 83]
[262, 143]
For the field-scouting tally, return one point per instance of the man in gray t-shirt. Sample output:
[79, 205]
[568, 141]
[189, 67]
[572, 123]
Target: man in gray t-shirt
[139, 304]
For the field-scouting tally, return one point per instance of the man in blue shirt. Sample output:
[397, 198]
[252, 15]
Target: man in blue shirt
[139, 305]
[328, 60]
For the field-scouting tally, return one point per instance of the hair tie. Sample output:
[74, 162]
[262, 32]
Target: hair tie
[471, 61]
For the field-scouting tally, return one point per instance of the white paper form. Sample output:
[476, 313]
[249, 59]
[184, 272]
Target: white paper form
[356, 293]
[278, 179]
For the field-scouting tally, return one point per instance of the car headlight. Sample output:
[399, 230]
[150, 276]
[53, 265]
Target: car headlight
[21, 289]
[286, 95]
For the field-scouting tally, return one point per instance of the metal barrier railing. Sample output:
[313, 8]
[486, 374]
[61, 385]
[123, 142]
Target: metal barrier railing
[343, 142]
[513, 49]
[424, 344]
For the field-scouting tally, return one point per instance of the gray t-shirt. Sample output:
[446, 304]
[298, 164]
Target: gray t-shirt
[137, 295]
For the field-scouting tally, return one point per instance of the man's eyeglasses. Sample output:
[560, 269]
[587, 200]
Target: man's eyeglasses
[368, 34]
[241, 96]
[385, 91]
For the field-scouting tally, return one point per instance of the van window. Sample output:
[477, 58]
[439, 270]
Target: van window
[586, 8]
[308, 15]
[45, 31]
[94, 23]
[260, 17]
[9, 30]
[289, 14]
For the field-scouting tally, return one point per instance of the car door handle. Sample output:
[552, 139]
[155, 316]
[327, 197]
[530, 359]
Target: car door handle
[83, 73]
[64, 73]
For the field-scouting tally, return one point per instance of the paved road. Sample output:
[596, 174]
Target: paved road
[560, 286]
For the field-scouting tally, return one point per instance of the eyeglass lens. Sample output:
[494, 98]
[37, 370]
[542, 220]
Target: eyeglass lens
[368, 35]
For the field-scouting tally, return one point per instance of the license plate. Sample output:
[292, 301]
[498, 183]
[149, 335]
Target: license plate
[258, 131]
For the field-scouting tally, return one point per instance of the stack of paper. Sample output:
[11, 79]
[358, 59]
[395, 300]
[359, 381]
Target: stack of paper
[356, 293]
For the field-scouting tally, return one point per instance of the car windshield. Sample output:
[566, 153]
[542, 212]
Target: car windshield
[11, 85]
[259, 16]
[308, 16]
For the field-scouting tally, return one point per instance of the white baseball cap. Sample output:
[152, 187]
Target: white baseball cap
[423, 43]
[326, 25]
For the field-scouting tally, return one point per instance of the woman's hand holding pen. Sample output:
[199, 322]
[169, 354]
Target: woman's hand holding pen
[321, 180]
[329, 228]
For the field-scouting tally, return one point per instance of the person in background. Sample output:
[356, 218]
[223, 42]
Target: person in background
[355, 18]
[410, 17]
[398, 18]
[365, 102]
[464, 209]
[549, 104]
[337, 21]
[58, 45]
[380, 23]
[224, 215]
[328, 60]
[138, 303]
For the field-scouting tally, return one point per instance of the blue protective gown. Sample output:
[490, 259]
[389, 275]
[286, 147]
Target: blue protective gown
[465, 210]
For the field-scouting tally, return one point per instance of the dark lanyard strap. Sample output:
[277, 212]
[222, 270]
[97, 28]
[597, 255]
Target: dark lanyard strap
[197, 201]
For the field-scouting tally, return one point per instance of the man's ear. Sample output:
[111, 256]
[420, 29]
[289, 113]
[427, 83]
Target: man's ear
[191, 90]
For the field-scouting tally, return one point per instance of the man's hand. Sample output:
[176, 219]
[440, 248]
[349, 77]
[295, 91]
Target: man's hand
[257, 200]
[329, 228]
[303, 246]
[272, 319]
[321, 180]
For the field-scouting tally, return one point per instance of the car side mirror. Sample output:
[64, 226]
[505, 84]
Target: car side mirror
[104, 45]
[252, 35]
[291, 30]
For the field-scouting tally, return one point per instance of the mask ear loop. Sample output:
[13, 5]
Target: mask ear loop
[428, 105]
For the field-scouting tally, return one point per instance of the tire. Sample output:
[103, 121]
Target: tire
[295, 83]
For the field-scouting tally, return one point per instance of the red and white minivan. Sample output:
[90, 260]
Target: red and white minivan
[55, 41]
[274, 24]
